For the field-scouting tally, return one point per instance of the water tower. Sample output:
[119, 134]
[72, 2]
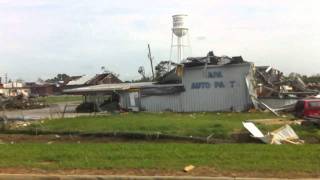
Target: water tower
[179, 34]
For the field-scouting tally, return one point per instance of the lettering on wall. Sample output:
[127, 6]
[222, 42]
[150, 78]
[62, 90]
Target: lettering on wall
[200, 85]
[215, 84]
[215, 74]
[232, 83]
[219, 84]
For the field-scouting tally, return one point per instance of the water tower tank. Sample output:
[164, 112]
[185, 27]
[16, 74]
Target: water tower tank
[179, 25]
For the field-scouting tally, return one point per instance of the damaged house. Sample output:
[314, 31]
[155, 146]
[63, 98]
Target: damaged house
[209, 83]
[90, 80]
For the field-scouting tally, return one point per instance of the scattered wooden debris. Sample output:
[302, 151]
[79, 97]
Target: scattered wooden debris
[277, 121]
[188, 168]
[283, 135]
[57, 136]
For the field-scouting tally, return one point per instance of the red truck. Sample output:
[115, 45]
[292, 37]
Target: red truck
[307, 108]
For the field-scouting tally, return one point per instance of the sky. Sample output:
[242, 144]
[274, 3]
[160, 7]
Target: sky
[41, 38]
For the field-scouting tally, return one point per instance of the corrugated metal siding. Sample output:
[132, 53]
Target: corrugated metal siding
[97, 98]
[124, 100]
[161, 103]
[206, 99]
[215, 98]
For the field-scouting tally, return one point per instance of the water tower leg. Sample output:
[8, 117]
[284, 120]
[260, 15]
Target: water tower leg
[170, 60]
[179, 49]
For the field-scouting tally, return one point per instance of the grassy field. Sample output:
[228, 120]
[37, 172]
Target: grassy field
[219, 125]
[223, 157]
[187, 124]
[61, 98]
[244, 159]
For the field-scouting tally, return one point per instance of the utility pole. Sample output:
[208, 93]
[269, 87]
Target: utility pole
[6, 78]
[151, 59]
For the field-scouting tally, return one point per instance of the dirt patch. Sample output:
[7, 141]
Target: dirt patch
[198, 171]
[55, 138]
[276, 121]
[51, 139]
[48, 162]
[240, 137]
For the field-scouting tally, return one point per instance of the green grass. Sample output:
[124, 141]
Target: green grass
[224, 157]
[309, 133]
[169, 156]
[220, 125]
[61, 98]
[187, 124]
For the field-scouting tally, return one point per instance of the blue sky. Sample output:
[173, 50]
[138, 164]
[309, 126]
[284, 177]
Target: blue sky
[40, 38]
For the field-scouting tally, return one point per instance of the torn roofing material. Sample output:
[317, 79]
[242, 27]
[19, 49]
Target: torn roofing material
[252, 128]
[81, 80]
[211, 59]
[104, 78]
[170, 77]
[161, 90]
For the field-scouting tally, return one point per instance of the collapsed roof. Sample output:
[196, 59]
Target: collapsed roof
[271, 82]
[104, 78]
[211, 59]
[173, 77]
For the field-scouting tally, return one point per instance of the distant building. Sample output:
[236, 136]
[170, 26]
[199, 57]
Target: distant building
[45, 89]
[89, 80]
[14, 89]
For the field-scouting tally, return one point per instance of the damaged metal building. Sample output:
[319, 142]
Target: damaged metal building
[197, 84]
[279, 91]
[207, 83]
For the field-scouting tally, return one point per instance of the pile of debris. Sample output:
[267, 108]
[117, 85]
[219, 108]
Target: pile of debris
[283, 135]
[9, 123]
[211, 59]
[20, 102]
[271, 82]
[273, 91]
[314, 86]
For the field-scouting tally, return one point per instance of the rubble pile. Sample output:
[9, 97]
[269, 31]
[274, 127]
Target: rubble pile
[314, 86]
[271, 82]
[283, 135]
[211, 59]
[20, 102]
